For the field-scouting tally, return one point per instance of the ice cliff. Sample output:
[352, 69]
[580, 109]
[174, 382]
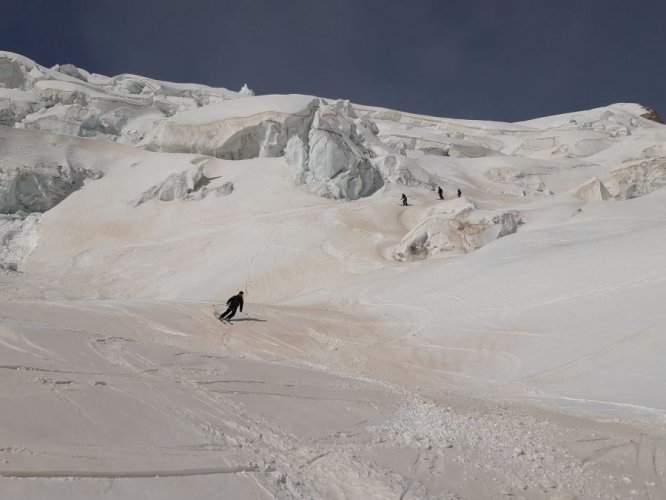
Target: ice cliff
[457, 227]
[70, 101]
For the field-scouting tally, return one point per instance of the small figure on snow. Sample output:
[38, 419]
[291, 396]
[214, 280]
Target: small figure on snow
[233, 303]
[440, 192]
[459, 193]
[404, 199]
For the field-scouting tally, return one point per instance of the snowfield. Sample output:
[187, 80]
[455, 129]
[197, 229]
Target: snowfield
[508, 342]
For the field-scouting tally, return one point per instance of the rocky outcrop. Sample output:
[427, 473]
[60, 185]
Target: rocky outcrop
[651, 114]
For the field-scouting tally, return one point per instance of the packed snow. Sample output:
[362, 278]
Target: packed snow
[507, 340]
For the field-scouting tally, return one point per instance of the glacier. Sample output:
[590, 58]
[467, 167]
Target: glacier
[507, 341]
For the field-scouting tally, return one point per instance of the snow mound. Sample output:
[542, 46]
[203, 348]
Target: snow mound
[18, 236]
[190, 184]
[460, 229]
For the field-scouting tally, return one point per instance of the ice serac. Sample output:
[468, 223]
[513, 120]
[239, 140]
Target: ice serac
[323, 141]
[337, 164]
[39, 170]
[529, 180]
[78, 109]
[40, 187]
[15, 71]
[345, 158]
[460, 228]
[240, 129]
[640, 179]
[592, 190]
[467, 151]
[245, 91]
[18, 236]
[71, 70]
[190, 184]
[70, 101]
[15, 105]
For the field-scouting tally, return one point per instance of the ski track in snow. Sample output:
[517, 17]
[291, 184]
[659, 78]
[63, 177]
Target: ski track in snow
[283, 460]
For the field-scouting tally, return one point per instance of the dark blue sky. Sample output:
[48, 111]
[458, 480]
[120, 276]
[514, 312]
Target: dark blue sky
[483, 59]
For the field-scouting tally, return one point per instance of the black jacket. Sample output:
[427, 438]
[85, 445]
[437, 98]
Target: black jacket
[235, 302]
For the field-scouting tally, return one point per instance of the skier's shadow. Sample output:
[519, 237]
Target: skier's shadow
[248, 319]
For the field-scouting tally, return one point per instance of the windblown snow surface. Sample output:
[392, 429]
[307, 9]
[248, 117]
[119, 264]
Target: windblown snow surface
[510, 342]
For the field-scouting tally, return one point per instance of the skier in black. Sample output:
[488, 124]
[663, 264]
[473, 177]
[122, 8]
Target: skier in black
[440, 192]
[404, 199]
[234, 303]
[459, 193]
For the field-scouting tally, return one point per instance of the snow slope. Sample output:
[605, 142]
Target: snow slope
[386, 351]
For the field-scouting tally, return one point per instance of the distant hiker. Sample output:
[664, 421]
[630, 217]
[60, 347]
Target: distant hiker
[404, 199]
[459, 193]
[233, 303]
[440, 192]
